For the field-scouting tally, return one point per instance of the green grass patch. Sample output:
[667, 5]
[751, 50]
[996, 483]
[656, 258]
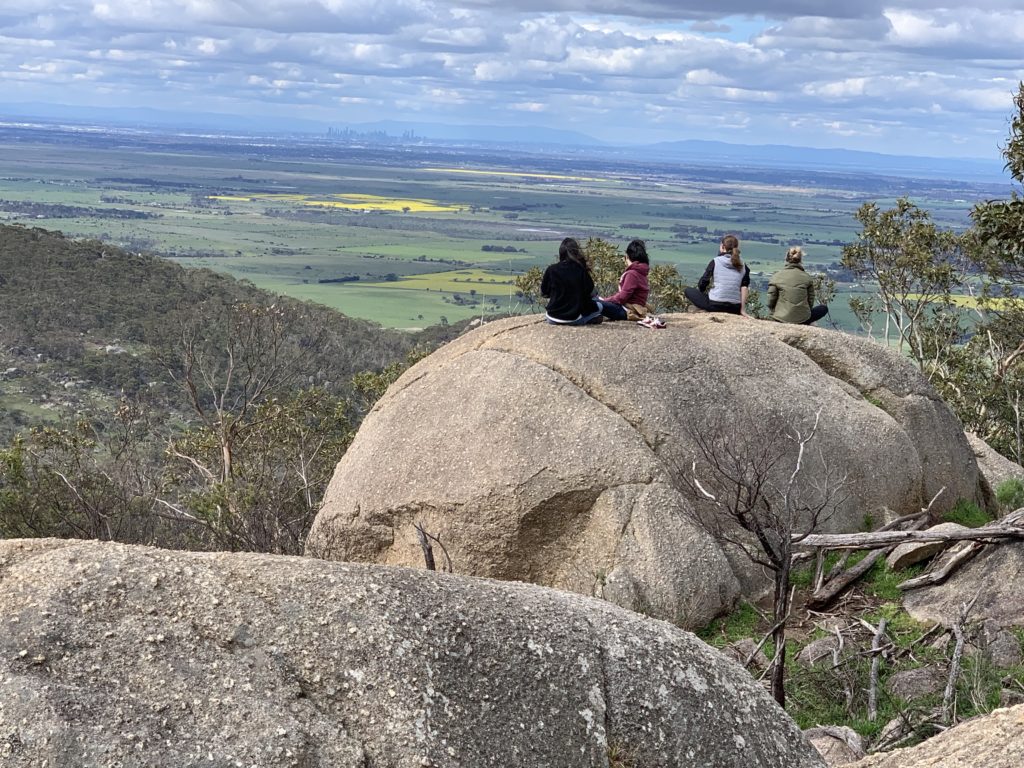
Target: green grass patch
[873, 400]
[882, 583]
[967, 514]
[742, 622]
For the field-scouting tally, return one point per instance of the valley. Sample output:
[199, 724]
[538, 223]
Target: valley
[414, 235]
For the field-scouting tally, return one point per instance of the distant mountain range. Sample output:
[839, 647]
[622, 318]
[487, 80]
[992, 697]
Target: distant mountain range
[778, 155]
[690, 151]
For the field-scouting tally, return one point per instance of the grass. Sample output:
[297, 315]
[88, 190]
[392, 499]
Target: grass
[742, 622]
[620, 756]
[967, 514]
[874, 401]
[882, 583]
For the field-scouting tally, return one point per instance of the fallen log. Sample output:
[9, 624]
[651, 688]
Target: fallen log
[832, 588]
[941, 574]
[892, 538]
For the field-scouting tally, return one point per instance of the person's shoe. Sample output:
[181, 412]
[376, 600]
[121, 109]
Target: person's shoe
[596, 321]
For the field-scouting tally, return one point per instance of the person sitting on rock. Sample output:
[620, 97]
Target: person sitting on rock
[731, 281]
[791, 293]
[631, 298]
[569, 288]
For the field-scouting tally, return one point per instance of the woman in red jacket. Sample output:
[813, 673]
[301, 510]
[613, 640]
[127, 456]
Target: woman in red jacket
[633, 285]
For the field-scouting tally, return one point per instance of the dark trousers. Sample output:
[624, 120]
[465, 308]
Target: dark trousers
[817, 313]
[700, 300]
[613, 311]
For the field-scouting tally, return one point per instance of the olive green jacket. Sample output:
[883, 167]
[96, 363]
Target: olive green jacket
[791, 295]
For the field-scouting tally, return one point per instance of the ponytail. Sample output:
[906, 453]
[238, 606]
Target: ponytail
[731, 245]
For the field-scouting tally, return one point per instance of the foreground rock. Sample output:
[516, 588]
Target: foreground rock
[994, 741]
[127, 656]
[553, 455]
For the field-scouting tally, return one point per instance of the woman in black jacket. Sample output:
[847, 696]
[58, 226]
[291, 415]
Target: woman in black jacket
[569, 288]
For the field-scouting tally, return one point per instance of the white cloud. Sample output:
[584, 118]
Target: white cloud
[910, 28]
[907, 71]
[840, 89]
[706, 77]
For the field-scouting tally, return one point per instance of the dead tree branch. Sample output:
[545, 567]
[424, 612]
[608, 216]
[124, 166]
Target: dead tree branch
[876, 661]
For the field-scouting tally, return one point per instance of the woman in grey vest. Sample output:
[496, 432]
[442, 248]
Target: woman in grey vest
[729, 279]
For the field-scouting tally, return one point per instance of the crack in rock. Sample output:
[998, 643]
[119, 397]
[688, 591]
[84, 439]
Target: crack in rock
[581, 385]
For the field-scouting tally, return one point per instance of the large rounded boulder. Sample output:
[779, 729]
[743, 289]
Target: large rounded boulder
[113, 655]
[555, 454]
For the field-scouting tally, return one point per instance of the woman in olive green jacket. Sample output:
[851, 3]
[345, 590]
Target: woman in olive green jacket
[791, 293]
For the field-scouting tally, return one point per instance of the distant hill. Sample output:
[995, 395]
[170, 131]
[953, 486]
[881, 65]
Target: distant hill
[783, 156]
[693, 151]
[81, 320]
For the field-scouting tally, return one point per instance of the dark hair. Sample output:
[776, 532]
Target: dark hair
[570, 249]
[731, 244]
[637, 251]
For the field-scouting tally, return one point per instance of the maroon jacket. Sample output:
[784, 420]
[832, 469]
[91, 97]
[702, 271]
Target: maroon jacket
[633, 285]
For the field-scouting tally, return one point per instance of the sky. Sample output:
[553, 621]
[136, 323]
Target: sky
[901, 77]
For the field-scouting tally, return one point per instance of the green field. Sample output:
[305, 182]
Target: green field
[422, 241]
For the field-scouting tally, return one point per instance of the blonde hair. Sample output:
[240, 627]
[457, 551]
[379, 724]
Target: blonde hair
[794, 255]
[731, 245]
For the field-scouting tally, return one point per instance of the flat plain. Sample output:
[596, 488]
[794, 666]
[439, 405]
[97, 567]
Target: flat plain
[413, 235]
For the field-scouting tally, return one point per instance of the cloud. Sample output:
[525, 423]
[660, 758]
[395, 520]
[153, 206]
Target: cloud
[709, 26]
[338, 16]
[909, 73]
[688, 9]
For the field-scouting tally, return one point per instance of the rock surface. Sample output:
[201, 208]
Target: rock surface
[552, 455]
[745, 648]
[996, 576]
[994, 741]
[817, 650]
[128, 656]
[911, 684]
[995, 468]
[912, 553]
[1002, 648]
[837, 745]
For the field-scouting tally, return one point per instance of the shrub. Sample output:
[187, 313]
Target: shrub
[1010, 494]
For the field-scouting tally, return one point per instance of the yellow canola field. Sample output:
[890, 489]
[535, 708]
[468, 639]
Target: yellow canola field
[354, 202]
[970, 302]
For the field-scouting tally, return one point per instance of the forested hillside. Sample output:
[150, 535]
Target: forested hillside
[81, 320]
[144, 402]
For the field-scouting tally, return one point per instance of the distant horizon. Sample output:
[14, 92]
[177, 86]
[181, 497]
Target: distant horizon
[51, 115]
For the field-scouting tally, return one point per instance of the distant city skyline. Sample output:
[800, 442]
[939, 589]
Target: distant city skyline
[909, 77]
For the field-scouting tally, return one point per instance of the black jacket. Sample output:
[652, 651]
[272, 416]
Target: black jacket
[569, 289]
